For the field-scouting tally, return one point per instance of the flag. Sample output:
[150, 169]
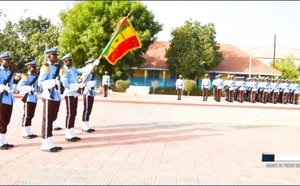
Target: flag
[123, 40]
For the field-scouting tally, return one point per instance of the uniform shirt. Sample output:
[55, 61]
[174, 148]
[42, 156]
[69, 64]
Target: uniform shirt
[231, 84]
[205, 83]
[242, 85]
[47, 72]
[25, 81]
[9, 98]
[67, 77]
[254, 86]
[219, 83]
[106, 80]
[267, 86]
[285, 87]
[179, 84]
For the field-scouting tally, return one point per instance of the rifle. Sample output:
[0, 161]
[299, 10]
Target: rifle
[6, 81]
[24, 99]
[54, 77]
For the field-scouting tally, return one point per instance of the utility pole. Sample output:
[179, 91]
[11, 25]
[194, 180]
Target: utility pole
[274, 51]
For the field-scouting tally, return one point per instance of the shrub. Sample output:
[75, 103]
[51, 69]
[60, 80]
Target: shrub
[122, 85]
[155, 85]
[189, 85]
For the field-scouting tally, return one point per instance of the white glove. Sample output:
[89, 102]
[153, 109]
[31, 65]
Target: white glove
[74, 87]
[48, 84]
[1, 88]
[6, 87]
[96, 62]
[90, 84]
[81, 85]
[25, 89]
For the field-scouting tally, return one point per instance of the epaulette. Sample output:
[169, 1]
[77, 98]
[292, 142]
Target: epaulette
[46, 67]
[62, 71]
[25, 77]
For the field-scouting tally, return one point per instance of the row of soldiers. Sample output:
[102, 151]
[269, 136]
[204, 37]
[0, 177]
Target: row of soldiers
[253, 89]
[48, 79]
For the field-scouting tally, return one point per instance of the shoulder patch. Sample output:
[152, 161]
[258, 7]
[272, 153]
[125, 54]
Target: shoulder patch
[62, 71]
[25, 77]
[46, 67]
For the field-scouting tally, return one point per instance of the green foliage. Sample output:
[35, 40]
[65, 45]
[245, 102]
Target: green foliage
[155, 85]
[193, 50]
[189, 85]
[122, 85]
[88, 26]
[287, 67]
[28, 38]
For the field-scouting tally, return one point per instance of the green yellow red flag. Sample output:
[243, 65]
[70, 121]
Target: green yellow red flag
[123, 40]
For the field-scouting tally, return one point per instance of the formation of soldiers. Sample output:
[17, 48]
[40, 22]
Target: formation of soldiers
[264, 90]
[48, 79]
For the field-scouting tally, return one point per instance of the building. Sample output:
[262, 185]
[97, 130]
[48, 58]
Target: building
[236, 62]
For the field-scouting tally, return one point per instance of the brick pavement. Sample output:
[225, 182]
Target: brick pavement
[156, 139]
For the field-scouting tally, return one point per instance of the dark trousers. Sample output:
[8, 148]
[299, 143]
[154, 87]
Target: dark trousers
[179, 93]
[5, 115]
[29, 110]
[205, 93]
[50, 109]
[105, 90]
[230, 95]
[88, 102]
[71, 105]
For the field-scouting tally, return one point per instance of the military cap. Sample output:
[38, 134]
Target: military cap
[107, 73]
[68, 56]
[51, 51]
[179, 75]
[5, 55]
[31, 63]
[89, 61]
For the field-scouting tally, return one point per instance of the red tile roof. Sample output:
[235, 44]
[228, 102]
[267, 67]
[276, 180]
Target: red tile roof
[155, 56]
[235, 60]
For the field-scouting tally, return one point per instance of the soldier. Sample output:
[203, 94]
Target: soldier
[69, 78]
[226, 87]
[49, 84]
[179, 87]
[219, 86]
[236, 88]
[88, 99]
[285, 91]
[7, 98]
[214, 85]
[28, 86]
[105, 83]
[266, 90]
[291, 92]
[242, 85]
[254, 88]
[205, 86]
[296, 93]
[231, 85]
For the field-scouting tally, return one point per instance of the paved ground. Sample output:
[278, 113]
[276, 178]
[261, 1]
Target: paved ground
[156, 139]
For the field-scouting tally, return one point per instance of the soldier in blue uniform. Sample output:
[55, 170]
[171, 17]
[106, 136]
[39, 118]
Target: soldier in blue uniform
[28, 85]
[205, 86]
[68, 76]
[6, 104]
[105, 83]
[88, 97]
[48, 83]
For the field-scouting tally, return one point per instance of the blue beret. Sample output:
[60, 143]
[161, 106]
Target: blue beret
[51, 50]
[5, 55]
[89, 61]
[31, 63]
[68, 56]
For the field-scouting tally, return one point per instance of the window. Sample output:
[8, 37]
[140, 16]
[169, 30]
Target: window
[153, 74]
[173, 76]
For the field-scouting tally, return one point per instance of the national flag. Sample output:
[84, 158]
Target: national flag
[123, 40]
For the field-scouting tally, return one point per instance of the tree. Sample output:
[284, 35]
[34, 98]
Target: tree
[287, 67]
[87, 28]
[193, 50]
[27, 38]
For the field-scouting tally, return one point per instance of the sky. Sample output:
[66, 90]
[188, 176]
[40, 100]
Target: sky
[240, 23]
